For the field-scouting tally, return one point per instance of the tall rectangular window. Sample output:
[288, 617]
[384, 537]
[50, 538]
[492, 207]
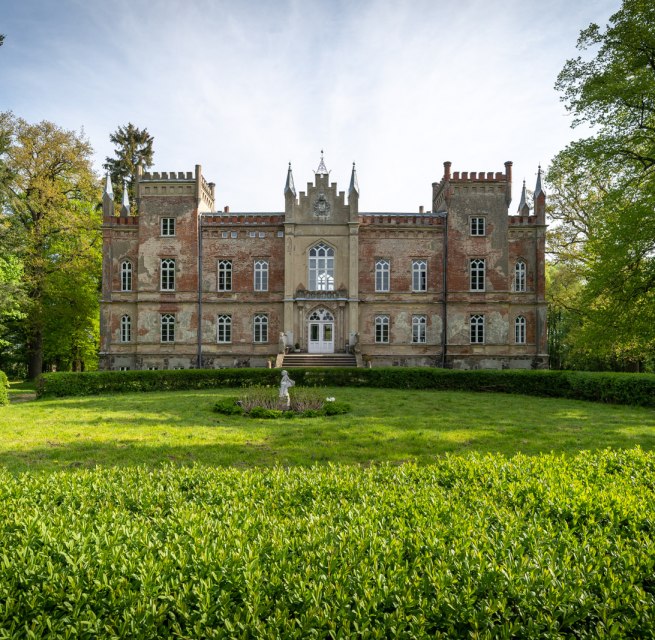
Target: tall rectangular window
[321, 268]
[167, 327]
[382, 275]
[224, 328]
[167, 274]
[126, 275]
[419, 324]
[519, 276]
[477, 275]
[419, 275]
[519, 330]
[477, 226]
[261, 275]
[225, 275]
[126, 329]
[168, 226]
[477, 329]
[382, 329]
[260, 328]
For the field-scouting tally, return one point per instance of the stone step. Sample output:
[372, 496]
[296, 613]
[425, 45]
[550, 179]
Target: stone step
[319, 360]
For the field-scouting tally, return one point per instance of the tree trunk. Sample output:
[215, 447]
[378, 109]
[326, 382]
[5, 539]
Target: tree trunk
[35, 354]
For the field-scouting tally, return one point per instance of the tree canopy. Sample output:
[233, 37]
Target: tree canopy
[133, 149]
[50, 227]
[602, 190]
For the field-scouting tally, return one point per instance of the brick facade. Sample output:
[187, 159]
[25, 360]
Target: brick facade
[459, 286]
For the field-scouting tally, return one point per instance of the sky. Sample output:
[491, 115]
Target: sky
[243, 87]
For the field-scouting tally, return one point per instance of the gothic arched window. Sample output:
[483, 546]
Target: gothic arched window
[321, 268]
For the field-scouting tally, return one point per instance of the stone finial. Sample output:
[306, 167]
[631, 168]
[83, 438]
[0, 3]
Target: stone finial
[524, 209]
[538, 190]
[289, 187]
[125, 206]
[322, 169]
[108, 198]
[354, 184]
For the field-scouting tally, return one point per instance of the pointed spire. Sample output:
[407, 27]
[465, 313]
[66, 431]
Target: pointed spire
[125, 207]
[524, 209]
[354, 185]
[108, 198]
[289, 187]
[538, 190]
[322, 169]
[109, 190]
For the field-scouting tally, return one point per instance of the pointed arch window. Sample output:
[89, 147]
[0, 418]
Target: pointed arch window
[225, 275]
[167, 327]
[419, 325]
[126, 275]
[477, 275]
[519, 330]
[321, 268]
[382, 268]
[167, 274]
[477, 329]
[261, 275]
[419, 275]
[382, 329]
[260, 328]
[126, 329]
[224, 328]
[520, 270]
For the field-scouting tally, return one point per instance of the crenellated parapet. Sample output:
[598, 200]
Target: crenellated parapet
[389, 219]
[246, 219]
[177, 184]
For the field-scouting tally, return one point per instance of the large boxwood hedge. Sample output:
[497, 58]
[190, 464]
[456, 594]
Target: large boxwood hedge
[620, 388]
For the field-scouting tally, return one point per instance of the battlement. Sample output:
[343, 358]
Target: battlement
[247, 219]
[122, 221]
[166, 175]
[385, 219]
[480, 176]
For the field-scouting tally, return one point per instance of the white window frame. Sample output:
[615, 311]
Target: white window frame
[260, 328]
[167, 274]
[477, 226]
[126, 328]
[520, 330]
[321, 267]
[224, 328]
[167, 328]
[382, 324]
[419, 275]
[224, 275]
[167, 227]
[476, 326]
[520, 276]
[477, 268]
[382, 275]
[126, 275]
[419, 329]
[260, 275]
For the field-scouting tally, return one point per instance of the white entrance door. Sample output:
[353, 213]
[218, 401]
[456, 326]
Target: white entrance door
[320, 332]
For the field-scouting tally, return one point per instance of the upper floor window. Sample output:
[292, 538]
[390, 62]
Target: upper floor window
[477, 275]
[321, 268]
[477, 226]
[167, 274]
[168, 226]
[260, 328]
[520, 276]
[126, 329]
[477, 329]
[382, 329]
[419, 324]
[126, 275]
[519, 330]
[419, 275]
[224, 328]
[167, 327]
[225, 275]
[261, 275]
[382, 275]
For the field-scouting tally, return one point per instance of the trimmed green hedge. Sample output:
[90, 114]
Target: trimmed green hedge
[4, 385]
[620, 388]
[477, 547]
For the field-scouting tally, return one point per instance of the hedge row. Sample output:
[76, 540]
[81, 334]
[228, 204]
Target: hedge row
[619, 388]
[4, 385]
[479, 547]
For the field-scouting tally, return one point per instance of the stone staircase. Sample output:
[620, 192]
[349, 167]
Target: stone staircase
[292, 360]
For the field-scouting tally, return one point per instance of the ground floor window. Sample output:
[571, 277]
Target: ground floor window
[419, 324]
[126, 329]
[477, 329]
[167, 327]
[224, 328]
[382, 329]
[519, 330]
[260, 328]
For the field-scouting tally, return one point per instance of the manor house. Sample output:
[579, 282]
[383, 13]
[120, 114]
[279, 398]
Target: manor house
[459, 286]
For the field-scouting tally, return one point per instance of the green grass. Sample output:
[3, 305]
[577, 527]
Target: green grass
[384, 425]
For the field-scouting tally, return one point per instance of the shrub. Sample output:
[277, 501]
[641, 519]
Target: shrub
[620, 388]
[469, 547]
[4, 385]
[229, 407]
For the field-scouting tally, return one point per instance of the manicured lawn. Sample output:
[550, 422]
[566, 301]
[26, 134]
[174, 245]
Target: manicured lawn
[179, 427]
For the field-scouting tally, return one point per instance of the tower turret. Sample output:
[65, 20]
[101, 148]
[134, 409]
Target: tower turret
[539, 200]
[108, 198]
[524, 209]
[125, 206]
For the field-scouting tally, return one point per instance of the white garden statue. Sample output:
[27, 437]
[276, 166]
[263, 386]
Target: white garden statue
[285, 384]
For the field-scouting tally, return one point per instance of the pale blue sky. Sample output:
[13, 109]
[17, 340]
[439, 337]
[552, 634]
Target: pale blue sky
[244, 87]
